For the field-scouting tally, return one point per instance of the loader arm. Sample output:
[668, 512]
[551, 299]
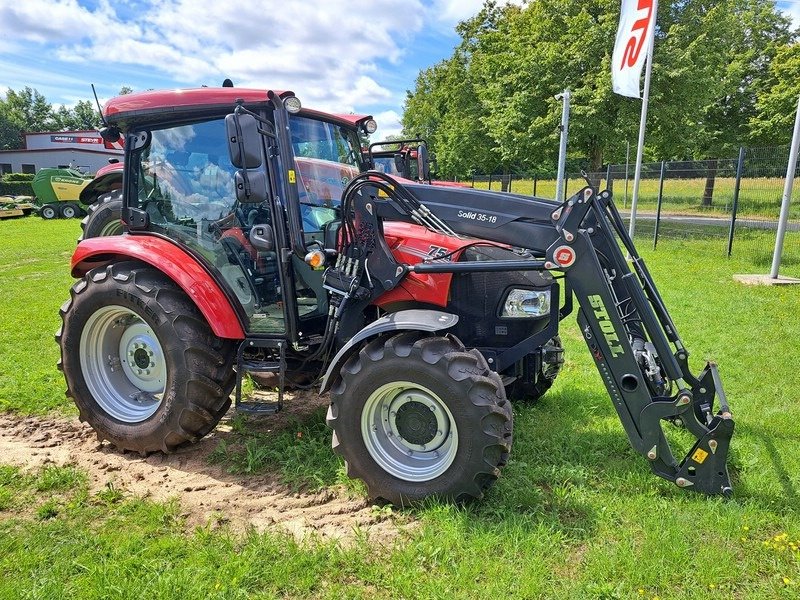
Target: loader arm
[630, 334]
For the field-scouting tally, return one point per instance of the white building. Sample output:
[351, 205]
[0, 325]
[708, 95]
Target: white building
[83, 150]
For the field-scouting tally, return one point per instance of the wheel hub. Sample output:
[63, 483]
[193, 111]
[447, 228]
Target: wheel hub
[409, 431]
[416, 423]
[123, 364]
[142, 358]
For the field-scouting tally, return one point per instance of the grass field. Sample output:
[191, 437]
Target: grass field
[576, 513]
[758, 197]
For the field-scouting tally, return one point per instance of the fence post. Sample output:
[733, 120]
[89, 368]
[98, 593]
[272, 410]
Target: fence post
[735, 207]
[510, 179]
[473, 181]
[490, 182]
[658, 204]
[609, 180]
[535, 181]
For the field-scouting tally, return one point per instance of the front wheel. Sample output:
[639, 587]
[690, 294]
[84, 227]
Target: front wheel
[140, 362]
[417, 416]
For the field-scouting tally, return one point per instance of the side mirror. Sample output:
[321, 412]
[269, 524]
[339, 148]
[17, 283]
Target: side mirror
[244, 141]
[251, 186]
[423, 163]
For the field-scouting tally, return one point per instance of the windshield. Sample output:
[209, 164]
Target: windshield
[327, 157]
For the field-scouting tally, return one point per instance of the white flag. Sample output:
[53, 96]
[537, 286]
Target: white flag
[636, 22]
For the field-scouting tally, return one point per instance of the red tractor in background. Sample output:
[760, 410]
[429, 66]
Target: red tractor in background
[257, 241]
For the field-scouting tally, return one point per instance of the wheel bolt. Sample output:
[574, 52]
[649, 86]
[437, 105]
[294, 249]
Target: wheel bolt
[393, 413]
[147, 372]
[433, 407]
[150, 353]
[152, 364]
[139, 371]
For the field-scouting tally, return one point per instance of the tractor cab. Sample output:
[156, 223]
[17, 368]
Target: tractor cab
[408, 158]
[248, 219]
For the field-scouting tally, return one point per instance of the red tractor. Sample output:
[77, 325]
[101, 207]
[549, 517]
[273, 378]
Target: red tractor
[256, 241]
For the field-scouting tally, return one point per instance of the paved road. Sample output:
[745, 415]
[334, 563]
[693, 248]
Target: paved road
[792, 225]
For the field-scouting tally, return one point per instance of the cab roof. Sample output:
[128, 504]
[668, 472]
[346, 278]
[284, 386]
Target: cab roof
[158, 106]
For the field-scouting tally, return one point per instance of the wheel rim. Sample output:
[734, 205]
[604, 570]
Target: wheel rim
[409, 431]
[69, 212]
[48, 212]
[123, 364]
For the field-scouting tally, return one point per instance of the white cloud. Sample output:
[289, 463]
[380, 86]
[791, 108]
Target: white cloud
[791, 10]
[330, 52]
[388, 124]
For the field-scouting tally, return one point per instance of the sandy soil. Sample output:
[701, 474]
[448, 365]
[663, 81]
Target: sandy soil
[206, 492]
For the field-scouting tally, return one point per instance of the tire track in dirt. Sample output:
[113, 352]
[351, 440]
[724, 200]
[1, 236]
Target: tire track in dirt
[206, 492]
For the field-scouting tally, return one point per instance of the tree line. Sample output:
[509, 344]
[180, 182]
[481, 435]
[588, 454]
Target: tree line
[725, 73]
[27, 110]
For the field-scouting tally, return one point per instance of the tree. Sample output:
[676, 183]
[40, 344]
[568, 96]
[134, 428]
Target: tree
[82, 116]
[10, 132]
[711, 57]
[776, 106]
[444, 110]
[29, 109]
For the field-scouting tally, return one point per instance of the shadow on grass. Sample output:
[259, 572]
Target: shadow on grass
[789, 499]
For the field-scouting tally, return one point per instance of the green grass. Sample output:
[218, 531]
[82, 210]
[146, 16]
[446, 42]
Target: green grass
[576, 514]
[759, 198]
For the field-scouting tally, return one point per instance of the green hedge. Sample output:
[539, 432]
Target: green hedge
[16, 188]
[17, 177]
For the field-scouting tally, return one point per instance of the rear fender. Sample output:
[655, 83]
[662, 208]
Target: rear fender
[175, 263]
[416, 319]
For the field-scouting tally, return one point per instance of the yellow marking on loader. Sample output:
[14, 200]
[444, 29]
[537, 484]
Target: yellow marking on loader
[699, 455]
[292, 177]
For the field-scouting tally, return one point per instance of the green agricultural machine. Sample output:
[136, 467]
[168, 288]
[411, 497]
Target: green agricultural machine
[58, 192]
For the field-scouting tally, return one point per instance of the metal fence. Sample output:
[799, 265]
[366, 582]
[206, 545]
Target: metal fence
[733, 200]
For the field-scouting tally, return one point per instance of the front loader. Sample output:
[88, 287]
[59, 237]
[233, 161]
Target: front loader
[256, 241]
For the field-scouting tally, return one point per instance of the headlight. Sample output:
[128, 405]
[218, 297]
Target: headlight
[521, 304]
[292, 104]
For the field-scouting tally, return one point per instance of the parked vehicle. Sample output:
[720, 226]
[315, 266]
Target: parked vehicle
[257, 241]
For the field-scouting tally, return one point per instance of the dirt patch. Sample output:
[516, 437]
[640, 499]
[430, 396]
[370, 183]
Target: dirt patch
[207, 492]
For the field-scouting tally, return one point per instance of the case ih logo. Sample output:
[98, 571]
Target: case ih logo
[564, 256]
[75, 139]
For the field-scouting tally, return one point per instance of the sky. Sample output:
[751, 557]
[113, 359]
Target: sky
[337, 55]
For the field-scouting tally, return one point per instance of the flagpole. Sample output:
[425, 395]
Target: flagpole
[643, 122]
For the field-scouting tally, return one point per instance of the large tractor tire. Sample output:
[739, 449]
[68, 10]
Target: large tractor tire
[103, 217]
[529, 393]
[48, 212]
[417, 416]
[140, 361]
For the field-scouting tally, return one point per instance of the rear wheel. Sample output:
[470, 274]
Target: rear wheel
[48, 211]
[103, 217]
[417, 416]
[68, 210]
[140, 362]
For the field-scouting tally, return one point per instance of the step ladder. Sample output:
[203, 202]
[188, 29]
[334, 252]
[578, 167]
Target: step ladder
[260, 366]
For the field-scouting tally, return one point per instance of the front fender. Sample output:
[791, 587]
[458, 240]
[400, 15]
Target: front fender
[415, 319]
[175, 263]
